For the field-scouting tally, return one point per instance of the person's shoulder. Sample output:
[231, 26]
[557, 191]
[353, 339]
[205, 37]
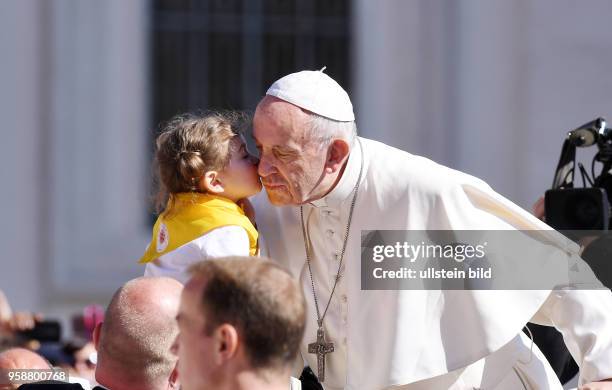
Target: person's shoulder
[51, 385]
[386, 158]
[209, 244]
[387, 164]
[221, 236]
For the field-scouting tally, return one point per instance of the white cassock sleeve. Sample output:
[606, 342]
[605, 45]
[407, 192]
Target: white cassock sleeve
[220, 242]
[583, 318]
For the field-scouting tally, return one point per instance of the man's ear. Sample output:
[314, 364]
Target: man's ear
[225, 343]
[337, 152]
[173, 381]
[96, 335]
[210, 182]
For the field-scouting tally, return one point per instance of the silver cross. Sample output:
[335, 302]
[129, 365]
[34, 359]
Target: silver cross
[321, 348]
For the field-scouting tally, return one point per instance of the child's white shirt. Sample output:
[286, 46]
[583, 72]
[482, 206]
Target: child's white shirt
[220, 242]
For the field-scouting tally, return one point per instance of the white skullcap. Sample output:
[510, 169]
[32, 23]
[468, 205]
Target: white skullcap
[316, 92]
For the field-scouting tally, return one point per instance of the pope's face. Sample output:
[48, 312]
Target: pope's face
[291, 165]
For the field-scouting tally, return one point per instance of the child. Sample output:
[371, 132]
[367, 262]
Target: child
[205, 172]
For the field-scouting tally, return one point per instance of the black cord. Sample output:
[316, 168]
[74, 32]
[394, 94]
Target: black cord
[584, 175]
[593, 167]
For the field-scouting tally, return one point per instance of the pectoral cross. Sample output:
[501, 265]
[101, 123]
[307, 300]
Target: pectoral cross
[320, 348]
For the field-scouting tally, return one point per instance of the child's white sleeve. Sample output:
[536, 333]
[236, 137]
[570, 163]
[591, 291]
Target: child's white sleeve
[224, 241]
[220, 242]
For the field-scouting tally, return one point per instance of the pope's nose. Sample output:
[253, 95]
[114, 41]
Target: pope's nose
[264, 168]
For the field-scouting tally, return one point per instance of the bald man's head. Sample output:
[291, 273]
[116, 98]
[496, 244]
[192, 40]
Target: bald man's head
[22, 359]
[135, 340]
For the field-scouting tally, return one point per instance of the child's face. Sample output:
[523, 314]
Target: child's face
[240, 178]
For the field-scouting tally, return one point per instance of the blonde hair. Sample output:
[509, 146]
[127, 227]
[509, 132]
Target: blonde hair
[190, 145]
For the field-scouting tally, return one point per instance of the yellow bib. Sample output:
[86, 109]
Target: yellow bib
[192, 216]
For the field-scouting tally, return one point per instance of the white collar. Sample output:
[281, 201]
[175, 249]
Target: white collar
[346, 184]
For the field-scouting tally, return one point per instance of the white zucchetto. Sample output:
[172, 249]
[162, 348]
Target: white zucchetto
[316, 92]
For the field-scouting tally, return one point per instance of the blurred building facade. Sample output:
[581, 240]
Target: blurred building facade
[488, 87]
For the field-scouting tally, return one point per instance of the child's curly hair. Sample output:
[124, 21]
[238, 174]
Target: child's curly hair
[190, 145]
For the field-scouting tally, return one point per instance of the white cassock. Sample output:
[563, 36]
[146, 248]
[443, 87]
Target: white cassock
[426, 339]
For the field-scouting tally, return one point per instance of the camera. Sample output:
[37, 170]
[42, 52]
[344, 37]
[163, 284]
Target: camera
[586, 208]
[577, 209]
[44, 331]
[583, 215]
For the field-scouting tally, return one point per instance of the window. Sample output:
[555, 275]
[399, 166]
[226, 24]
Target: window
[223, 54]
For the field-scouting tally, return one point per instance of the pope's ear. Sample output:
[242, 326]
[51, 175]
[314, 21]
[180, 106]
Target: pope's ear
[337, 153]
[211, 183]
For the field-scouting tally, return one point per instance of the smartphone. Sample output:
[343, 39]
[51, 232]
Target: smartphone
[44, 331]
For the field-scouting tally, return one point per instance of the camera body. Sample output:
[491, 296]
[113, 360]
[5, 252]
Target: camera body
[587, 208]
[44, 331]
[577, 209]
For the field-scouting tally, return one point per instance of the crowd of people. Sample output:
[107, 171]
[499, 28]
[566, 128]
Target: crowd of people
[251, 289]
[237, 324]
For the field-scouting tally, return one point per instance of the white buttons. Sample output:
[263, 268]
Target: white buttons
[344, 298]
[329, 232]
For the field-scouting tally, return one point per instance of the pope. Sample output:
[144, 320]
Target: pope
[324, 185]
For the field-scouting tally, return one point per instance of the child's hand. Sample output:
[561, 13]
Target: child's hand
[248, 209]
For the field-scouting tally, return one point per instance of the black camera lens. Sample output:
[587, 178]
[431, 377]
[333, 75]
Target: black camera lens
[577, 209]
[583, 211]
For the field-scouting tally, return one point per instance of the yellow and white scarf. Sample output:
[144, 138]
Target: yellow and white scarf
[193, 215]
